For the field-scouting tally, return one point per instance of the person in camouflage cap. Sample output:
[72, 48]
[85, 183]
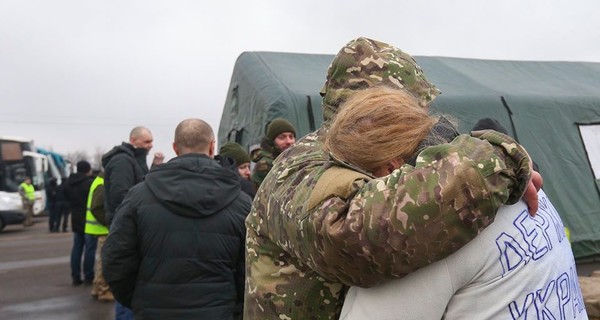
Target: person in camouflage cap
[316, 227]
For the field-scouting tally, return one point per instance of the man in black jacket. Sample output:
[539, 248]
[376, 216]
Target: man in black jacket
[76, 192]
[176, 247]
[125, 166]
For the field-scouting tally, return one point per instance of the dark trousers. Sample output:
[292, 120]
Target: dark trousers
[83, 245]
[63, 214]
[53, 217]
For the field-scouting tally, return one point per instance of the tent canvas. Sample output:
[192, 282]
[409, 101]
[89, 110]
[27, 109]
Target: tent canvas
[548, 107]
[269, 85]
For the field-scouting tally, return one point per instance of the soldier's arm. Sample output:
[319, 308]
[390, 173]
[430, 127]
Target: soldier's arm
[262, 167]
[415, 216]
[97, 205]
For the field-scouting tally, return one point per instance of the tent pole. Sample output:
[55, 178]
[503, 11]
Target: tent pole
[510, 114]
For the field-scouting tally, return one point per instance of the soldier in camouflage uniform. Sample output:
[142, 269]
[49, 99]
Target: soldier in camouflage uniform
[280, 135]
[316, 227]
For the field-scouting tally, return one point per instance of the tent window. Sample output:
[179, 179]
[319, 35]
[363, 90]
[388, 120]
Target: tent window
[590, 134]
[234, 100]
[235, 135]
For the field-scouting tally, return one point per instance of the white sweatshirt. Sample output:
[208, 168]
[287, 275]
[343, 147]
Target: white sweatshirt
[520, 267]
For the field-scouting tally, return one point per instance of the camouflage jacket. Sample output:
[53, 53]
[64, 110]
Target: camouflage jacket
[311, 233]
[304, 249]
[264, 160]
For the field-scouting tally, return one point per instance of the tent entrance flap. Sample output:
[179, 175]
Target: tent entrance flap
[311, 115]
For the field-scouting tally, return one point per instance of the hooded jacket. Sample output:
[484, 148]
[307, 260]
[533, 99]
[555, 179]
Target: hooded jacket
[176, 247]
[246, 185]
[76, 192]
[317, 225]
[124, 167]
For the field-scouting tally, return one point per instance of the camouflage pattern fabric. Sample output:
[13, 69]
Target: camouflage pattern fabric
[264, 160]
[100, 289]
[300, 260]
[363, 63]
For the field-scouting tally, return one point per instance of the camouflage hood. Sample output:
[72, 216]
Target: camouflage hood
[363, 63]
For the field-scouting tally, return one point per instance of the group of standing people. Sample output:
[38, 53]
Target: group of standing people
[186, 215]
[380, 190]
[176, 246]
[91, 200]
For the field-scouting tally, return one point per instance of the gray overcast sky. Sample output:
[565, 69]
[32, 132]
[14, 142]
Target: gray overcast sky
[78, 75]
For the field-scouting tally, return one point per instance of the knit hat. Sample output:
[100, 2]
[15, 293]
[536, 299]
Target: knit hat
[83, 166]
[278, 126]
[489, 124]
[234, 151]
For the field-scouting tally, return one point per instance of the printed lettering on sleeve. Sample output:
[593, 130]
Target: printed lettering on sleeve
[558, 298]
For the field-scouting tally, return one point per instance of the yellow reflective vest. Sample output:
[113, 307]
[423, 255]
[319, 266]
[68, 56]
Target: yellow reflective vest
[91, 225]
[28, 191]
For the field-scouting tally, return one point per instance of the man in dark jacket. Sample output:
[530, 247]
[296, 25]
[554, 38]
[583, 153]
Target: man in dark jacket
[62, 206]
[124, 167]
[176, 247]
[76, 192]
[53, 215]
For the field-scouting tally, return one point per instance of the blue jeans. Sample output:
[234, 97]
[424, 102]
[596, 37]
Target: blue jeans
[81, 242]
[122, 313]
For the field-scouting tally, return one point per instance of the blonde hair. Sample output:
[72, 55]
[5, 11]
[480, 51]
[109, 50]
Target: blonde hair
[377, 125]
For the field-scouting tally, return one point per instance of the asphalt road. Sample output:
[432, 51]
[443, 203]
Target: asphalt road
[35, 281]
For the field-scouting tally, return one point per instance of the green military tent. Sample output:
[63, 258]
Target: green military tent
[552, 108]
[269, 85]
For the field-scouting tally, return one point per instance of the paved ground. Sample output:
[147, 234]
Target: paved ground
[35, 281]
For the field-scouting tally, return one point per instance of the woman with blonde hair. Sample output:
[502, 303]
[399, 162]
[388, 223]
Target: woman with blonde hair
[379, 129]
